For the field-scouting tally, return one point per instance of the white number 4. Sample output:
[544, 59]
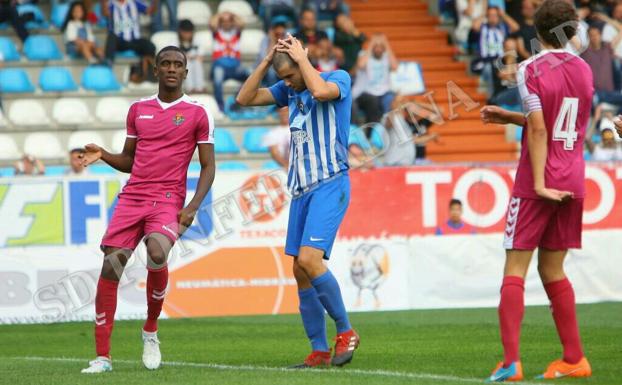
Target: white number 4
[566, 122]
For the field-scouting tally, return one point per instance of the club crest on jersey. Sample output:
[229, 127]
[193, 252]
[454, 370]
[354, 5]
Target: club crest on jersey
[178, 119]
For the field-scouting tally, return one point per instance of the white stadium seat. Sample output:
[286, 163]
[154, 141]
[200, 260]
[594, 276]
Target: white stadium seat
[26, 112]
[164, 38]
[238, 7]
[112, 109]
[44, 145]
[79, 139]
[211, 104]
[118, 141]
[194, 10]
[71, 111]
[8, 148]
[205, 40]
[250, 42]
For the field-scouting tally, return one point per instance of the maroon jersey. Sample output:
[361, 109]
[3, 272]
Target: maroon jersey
[167, 135]
[559, 84]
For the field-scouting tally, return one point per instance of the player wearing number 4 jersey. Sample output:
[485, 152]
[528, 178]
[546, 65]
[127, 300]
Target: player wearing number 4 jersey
[546, 207]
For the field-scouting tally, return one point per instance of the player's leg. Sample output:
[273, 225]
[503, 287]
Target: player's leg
[311, 309]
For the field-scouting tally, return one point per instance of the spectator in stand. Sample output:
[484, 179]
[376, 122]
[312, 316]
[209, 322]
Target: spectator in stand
[226, 56]
[325, 9]
[506, 92]
[607, 150]
[278, 139]
[372, 86]
[468, 11]
[328, 58]
[580, 40]
[75, 163]
[358, 159]
[8, 12]
[124, 33]
[156, 16]
[492, 31]
[270, 9]
[29, 166]
[599, 56]
[455, 225]
[309, 34]
[526, 36]
[79, 38]
[612, 28]
[195, 81]
[350, 40]
[276, 32]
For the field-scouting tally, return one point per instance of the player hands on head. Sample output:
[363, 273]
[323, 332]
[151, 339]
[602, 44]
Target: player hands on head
[319, 115]
[546, 207]
[163, 132]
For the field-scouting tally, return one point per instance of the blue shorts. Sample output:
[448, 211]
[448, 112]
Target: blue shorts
[314, 217]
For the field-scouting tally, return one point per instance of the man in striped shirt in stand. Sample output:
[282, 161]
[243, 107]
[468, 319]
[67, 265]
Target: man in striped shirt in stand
[319, 120]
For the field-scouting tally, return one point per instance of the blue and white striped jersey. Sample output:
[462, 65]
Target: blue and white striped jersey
[319, 132]
[124, 18]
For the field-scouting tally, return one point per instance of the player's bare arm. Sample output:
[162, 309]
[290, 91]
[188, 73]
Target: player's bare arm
[618, 123]
[206, 178]
[498, 115]
[251, 94]
[537, 138]
[319, 88]
[122, 162]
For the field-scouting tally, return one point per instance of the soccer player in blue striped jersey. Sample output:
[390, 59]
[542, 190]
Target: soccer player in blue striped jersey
[319, 120]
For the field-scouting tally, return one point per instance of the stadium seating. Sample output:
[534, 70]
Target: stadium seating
[8, 50]
[224, 142]
[253, 138]
[270, 165]
[8, 148]
[28, 112]
[357, 136]
[99, 79]
[209, 102]
[239, 7]
[55, 170]
[15, 80]
[101, 169]
[71, 111]
[250, 41]
[118, 141]
[194, 10]
[112, 109]
[79, 139]
[164, 38]
[39, 21]
[41, 47]
[206, 40]
[232, 166]
[44, 145]
[56, 79]
[59, 13]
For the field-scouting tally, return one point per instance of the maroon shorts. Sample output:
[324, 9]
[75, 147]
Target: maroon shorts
[533, 223]
[134, 219]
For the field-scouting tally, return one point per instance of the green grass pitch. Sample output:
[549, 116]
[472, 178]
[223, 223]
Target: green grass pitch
[408, 347]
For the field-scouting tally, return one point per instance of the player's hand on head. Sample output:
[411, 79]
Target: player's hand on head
[92, 153]
[185, 217]
[294, 49]
[554, 195]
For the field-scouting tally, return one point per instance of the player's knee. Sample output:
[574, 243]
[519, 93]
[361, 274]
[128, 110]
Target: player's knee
[114, 264]
[157, 258]
[550, 272]
[299, 273]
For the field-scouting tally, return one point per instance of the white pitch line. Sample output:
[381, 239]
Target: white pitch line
[362, 372]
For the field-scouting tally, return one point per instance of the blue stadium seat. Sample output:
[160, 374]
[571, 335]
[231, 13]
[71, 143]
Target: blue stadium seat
[39, 21]
[194, 167]
[376, 136]
[330, 32]
[232, 166]
[101, 20]
[357, 136]
[518, 134]
[59, 13]
[224, 143]
[99, 79]
[7, 172]
[15, 80]
[41, 47]
[55, 170]
[253, 138]
[270, 165]
[101, 169]
[56, 79]
[129, 54]
[8, 49]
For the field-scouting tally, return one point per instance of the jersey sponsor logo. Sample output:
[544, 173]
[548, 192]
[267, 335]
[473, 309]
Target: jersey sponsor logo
[178, 119]
[299, 136]
[145, 117]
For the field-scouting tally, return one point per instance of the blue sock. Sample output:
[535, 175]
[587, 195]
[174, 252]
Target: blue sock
[312, 313]
[330, 296]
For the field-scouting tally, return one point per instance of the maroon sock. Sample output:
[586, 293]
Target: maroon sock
[105, 307]
[564, 312]
[511, 310]
[156, 289]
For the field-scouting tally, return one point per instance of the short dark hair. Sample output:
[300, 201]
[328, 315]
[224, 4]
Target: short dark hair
[553, 15]
[77, 150]
[305, 10]
[171, 48]
[281, 59]
[455, 201]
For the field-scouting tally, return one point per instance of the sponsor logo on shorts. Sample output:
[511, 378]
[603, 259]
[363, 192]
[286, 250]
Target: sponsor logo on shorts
[510, 224]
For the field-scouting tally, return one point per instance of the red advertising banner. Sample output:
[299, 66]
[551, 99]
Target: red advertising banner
[414, 201]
